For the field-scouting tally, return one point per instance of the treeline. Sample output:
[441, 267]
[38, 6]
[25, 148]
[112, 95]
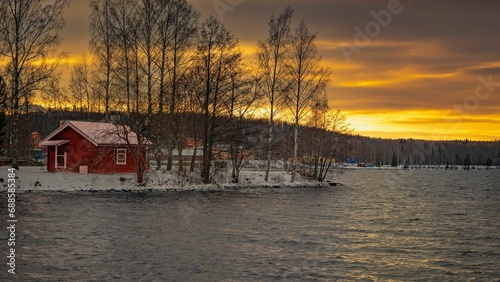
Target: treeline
[319, 146]
[423, 152]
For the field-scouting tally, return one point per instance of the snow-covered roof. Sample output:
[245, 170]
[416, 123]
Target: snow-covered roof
[54, 142]
[99, 133]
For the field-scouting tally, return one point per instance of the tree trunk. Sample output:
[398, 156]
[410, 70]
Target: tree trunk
[315, 173]
[170, 157]
[193, 157]
[181, 160]
[295, 151]
[158, 159]
[140, 174]
[270, 149]
[14, 150]
[234, 161]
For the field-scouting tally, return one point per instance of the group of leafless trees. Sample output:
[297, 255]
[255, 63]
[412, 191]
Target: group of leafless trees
[156, 62]
[28, 37]
[156, 66]
[292, 76]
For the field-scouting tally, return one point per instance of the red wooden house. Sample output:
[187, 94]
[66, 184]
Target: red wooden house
[94, 147]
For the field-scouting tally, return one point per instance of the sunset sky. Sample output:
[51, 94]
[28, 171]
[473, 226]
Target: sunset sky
[430, 71]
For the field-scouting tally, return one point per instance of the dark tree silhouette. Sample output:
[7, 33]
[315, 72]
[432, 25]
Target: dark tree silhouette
[28, 34]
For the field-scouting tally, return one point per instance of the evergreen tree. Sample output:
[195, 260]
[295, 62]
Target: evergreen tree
[467, 162]
[489, 162]
[394, 162]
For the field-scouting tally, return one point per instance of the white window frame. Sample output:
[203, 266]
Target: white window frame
[64, 155]
[121, 151]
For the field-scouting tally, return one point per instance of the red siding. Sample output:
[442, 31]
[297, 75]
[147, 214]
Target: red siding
[107, 157]
[50, 158]
[80, 151]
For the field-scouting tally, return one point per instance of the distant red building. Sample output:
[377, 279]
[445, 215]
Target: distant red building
[35, 140]
[94, 147]
[190, 143]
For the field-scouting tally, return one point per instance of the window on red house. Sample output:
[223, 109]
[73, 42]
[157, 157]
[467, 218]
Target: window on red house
[121, 156]
[61, 159]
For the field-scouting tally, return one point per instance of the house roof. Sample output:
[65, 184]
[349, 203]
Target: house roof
[54, 142]
[99, 133]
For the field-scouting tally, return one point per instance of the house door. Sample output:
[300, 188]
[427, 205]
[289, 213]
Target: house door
[61, 157]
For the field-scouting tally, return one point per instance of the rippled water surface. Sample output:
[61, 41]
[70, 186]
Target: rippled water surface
[383, 225]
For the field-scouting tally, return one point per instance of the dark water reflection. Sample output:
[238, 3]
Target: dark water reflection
[385, 225]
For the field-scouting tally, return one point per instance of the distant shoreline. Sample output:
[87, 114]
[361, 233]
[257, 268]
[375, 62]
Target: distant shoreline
[430, 167]
[38, 180]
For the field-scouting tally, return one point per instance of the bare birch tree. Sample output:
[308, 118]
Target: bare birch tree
[177, 37]
[148, 15]
[216, 53]
[333, 144]
[29, 34]
[3, 114]
[101, 44]
[80, 85]
[308, 80]
[54, 95]
[132, 129]
[240, 105]
[122, 17]
[272, 56]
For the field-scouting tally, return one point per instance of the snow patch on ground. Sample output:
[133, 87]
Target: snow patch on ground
[32, 179]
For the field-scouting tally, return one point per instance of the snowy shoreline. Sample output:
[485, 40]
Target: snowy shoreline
[38, 179]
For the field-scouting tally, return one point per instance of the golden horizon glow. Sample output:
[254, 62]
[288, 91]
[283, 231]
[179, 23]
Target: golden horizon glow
[407, 82]
[426, 124]
[381, 123]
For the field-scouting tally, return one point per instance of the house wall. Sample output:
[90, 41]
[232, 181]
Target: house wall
[80, 151]
[51, 158]
[106, 158]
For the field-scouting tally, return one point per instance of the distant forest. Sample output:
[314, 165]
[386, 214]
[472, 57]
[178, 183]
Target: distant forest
[363, 149]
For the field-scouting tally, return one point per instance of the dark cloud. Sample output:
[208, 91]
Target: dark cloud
[427, 57]
[483, 71]
[75, 34]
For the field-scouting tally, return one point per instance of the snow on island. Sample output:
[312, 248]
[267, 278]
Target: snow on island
[38, 179]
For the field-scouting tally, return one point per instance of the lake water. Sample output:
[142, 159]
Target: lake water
[383, 225]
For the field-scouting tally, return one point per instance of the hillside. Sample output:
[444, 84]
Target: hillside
[362, 149]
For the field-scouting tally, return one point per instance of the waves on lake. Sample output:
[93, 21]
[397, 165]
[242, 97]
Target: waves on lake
[382, 225]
